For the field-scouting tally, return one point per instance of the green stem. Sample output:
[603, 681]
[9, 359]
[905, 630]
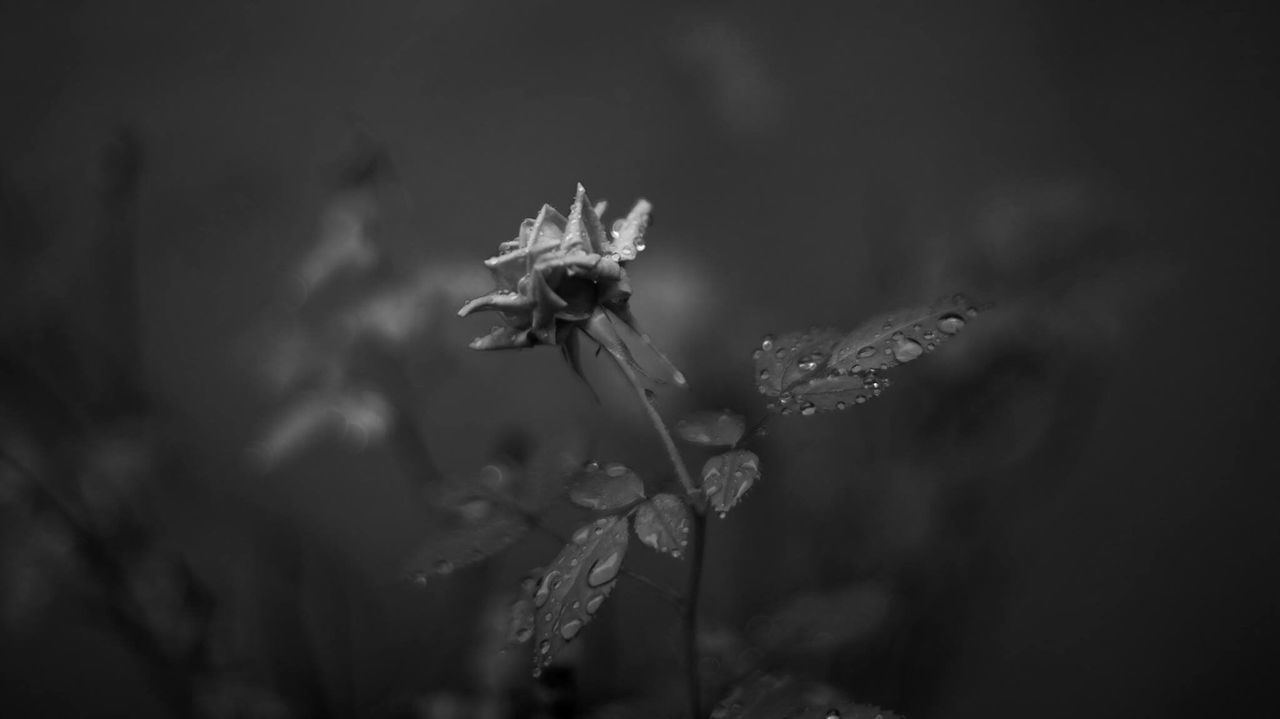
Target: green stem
[697, 504]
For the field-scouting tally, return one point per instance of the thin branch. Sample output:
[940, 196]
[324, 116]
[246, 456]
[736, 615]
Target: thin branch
[697, 504]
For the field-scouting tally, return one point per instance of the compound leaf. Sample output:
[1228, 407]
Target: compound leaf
[727, 477]
[609, 487]
[663, 524]
[712, 429]
[576, 584]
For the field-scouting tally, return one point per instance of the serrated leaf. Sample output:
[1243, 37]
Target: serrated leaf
[793, 368]
[663, 524]
[769, 696]
[712, 429]
[576, 584]
[898, 337]
[727, 477]
[612, 486]
[476, 528]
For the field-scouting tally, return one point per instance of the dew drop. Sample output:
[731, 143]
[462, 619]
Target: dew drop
[581, 534]
[570, 629]
[841, 405]
[907, 350]
[604, 570]
[780, 353]
[860, 399]
[833, 714]
[640, 245]
[544, 647]
[523, 634]
[950, 323]
[594, 603]
[808, 410]
[764, 374]
[616, 229]
[767, 343]
[757, 354]
[616, 470]
[866, 352]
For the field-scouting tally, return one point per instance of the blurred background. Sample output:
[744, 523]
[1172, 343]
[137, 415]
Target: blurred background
[234, 236]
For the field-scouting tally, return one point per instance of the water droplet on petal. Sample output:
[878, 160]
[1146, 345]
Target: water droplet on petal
[580, 535]
[808, 410]
[866, 352]
[833, 714]
[766, 344]
[594, 603]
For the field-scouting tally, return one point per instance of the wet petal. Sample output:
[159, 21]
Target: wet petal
[501, 301]
[503, 338]
[583, 230]
[547, 304]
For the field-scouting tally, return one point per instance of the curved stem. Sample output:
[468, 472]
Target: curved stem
[697, 504]
[682, 472]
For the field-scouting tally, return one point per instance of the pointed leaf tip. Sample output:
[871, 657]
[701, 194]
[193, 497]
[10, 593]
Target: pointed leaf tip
[662, 523]
[727, 477]
[576, 585]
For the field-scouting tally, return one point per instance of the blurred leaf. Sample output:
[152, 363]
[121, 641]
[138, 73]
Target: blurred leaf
[576, 584]
[895, 338]
[768, 696]
[712, 429]
[727, 477]
[358, 416]
[663, 524]
[520, 622]
[822, 621]
[344, 242]
[478, 527]
[609, 487]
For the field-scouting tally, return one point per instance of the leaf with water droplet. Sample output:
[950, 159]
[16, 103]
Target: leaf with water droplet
[576, 584]
[898, 337]
[612, 486]
[520, 617]
[795, 370]
[770, 696]
[477, 520]
[712, 429]
[663, 524]
[727, 477]
[463, 540]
